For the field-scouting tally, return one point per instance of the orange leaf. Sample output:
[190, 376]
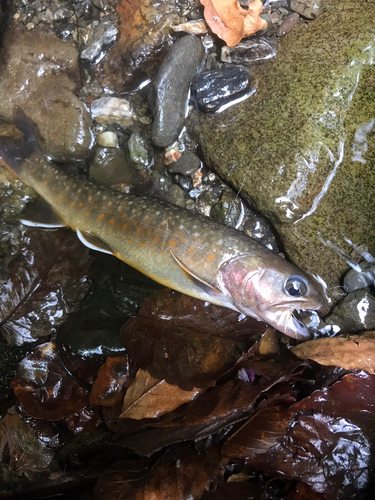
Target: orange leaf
[231, 22]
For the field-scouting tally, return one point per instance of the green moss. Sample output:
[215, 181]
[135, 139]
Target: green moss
[290, 148]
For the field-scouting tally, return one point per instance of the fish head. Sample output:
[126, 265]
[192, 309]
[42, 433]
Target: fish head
[272, 289]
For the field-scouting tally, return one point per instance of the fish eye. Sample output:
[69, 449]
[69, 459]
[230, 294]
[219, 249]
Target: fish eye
[295, 286]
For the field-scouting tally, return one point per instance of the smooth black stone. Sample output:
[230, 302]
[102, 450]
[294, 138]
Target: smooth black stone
[212, 89]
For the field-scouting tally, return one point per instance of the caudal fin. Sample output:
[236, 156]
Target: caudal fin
[14, 152]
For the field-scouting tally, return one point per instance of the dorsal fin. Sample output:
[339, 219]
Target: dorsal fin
[39, 213]
[93, 242]
[193, 275]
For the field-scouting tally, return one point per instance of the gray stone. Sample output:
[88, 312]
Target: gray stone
[176, 195]
[355, 313]
[111, 168]
[252, 50]
[354, 280]
[187, 164]
[138, 150]
[103, 38]
[170, 89]
[307, 8]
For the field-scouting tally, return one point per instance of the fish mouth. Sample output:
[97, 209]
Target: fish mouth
[287, 322]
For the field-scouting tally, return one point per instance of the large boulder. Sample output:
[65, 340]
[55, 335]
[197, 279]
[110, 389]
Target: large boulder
[302, 150]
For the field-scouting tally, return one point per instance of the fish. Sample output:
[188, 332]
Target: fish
[184, 251]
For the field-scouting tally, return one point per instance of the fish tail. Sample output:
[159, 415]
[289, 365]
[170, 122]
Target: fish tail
[14, 152]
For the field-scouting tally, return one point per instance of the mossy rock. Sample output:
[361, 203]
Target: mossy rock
[303, 149]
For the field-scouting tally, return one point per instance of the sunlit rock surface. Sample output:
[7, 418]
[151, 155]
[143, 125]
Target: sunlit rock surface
[303, 148]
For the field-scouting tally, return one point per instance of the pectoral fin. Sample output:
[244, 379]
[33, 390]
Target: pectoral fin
[93, 242]
[39, 213]
[194, 276]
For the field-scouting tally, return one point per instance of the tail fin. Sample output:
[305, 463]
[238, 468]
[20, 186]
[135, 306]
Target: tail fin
[14, 152]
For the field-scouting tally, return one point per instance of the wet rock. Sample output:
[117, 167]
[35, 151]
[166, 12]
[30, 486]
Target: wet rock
[354, 280]
[112, 110]
[307, 8]
[144, 40]
[355, 313]
[176, 195]
[107, 139]
[212, 89]
[288, 24]
[186, 165]
[192, 27]
[205, 202]
[63, 121]
[138, 149]
[252, 50]
[289, 149]
[40, 74]
[170, 89]
[111, 168]
[103, 38]
[229, 210]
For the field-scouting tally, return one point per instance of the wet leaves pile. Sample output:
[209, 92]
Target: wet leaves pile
[126, 390]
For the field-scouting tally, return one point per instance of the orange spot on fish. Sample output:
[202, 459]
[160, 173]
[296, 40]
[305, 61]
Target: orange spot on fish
[161, 252]
[149, 231]
[72, 204]
[156, 239]
[95, 206]
[152, 252]
[54, 188]
[129, 240]
[191, 249]
[124, 226]
[139, 230]
[80, 204]
[59, 196]
[135, 222]
[87, 213]
[183, 240]
[123, 216]
[210, 257]
[143, 244]
[109, 231]
[172, 243]
[112, 221]
[100, 217]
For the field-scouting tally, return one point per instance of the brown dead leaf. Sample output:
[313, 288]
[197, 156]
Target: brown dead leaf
[112, 380]
[149, 397]
[354, 352]
[231, 22]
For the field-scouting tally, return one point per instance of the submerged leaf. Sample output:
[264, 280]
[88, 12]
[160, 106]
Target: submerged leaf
[44, 388]
[47, 279]
[231, 22]
[186, 341]
[112, 381]
[355, 352]
[148, 397]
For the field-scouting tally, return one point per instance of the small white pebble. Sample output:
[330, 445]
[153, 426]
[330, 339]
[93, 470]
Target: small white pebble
[108, 139]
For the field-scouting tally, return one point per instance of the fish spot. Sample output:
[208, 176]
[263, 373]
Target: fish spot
[196, 235]
[181, 227]
[152, 252]
[80, 204]
[95, 206]
[100, 216]
[66, 187]
[109, 231]
[72, 204]
[172, 243]
[191, 249]
[143, 244]
[109, 203]
[210, 257]
[123, 216]
[124, 226]
[157, 213]
[79, 190]
[54, 188]
[112, 221]
[87, 213]
[139, 230]
[156, 239]
[104, 198]
[149, 231]
[129, 240]
[183, 240]
[130, 203]
[59, 196]
[161, 252]
[134, 222]
[90, 198]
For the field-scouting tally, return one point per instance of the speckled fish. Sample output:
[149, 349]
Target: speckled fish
[184, 251]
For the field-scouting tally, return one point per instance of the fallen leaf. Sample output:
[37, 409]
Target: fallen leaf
[354, 352]
[47, 279]
[44, 388]
[112, 380]
[148, 397]
[231, 22]
[186, 341]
